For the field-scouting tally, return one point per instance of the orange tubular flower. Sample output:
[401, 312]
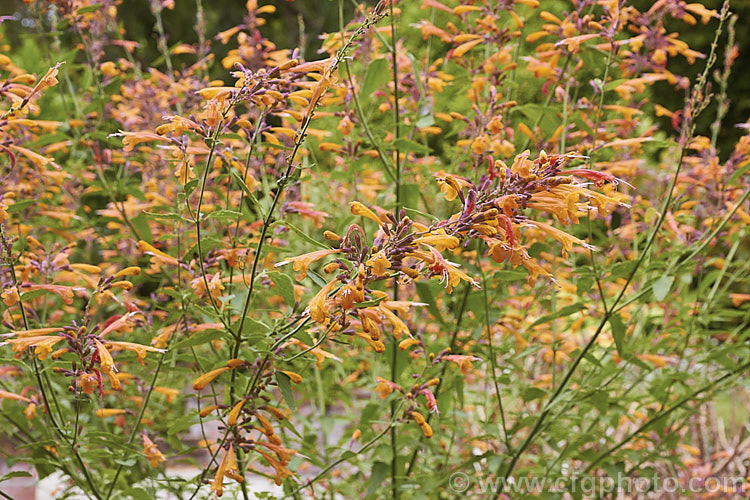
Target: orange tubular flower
[44, 345]
[463, 361]
[302, 262]
[209, 377]
[157, 256]
[399, 327]
[139, 349]
[281, 471]
[379, 263]
[16, 397]
[87, 382]
[317, 308]
[359, 209]
[132, 139]
[235, 412]
[294, 377]
[109, 412]
[228, 468]
[152, 453]
[105, 358]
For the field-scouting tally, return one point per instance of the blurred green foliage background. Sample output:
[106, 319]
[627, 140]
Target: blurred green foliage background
[301, 23]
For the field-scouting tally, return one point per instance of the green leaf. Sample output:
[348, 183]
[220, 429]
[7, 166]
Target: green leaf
[377, 476]
[140, 224]
[565, 311]
[223, 215]
[191, 185]
[127, 462]
[49, 139]
[286, 388]
[164, 216]
[614, 83]
[622, 269]
[15, 473]
[20, 205]
[114, 86]
[407, 145]
[410, 194]
[182, 423]
[137, 494]
[662, 287]
[253, 330]
[618, 333]
[253, 201]
[546, 115]
[302, 234]
[532, 393]
[600, 400]
[584, 284]
[375, 76]
[425, 295]
[32, 294]
[207, 244]
[285, 285]
[89, 8]
[738, 173]
[200, 338]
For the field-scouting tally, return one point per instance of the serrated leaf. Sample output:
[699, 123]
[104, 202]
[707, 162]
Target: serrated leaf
[584, 284]
[253, 330]
[375, 76]
[285, 285]
[377, 476]
[191, 185]
[181, 423]
[164, 216]
[662, 286]
[248, 193]
[286, 388]
[618, 333]
[223, 215]
[622, 269]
